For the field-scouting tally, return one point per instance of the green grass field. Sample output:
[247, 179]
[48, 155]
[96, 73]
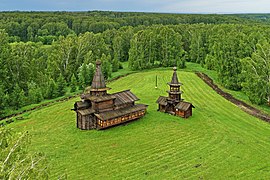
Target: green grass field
[218, 142]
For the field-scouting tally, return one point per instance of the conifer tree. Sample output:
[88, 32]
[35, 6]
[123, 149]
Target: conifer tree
[91, 71]
[86, 73]
[61, 85]
[51, 89]
[22, 99]
[73, 83]
[18, 98]
[2, 98]
[115, 65]
[83, 75]
[106, 66]
[34, 93]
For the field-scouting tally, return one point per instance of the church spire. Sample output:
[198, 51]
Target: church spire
[174, 80]
[98, 79]
[98, 86]
[175, 92]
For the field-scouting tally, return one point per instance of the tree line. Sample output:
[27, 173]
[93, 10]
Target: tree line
[46, 27]
[238, 53]
[32, 71]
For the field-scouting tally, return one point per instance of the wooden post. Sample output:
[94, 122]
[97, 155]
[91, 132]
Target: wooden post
[156, 82]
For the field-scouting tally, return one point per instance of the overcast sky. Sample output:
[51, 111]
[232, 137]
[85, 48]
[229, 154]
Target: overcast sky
[174, 6]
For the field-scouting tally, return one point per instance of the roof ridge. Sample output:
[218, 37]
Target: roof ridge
[121, 91]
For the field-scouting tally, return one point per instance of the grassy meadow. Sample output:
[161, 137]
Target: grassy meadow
[218, 142]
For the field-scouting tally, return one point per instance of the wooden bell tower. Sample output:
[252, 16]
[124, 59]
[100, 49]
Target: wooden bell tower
[175, 92]
[174, 104]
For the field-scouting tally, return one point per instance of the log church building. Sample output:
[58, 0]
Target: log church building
[99, 110]
[173, 104]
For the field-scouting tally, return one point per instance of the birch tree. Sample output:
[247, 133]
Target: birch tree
[15, 160]
[256, 71]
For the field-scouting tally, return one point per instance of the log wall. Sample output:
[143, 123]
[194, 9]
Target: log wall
[101, 124]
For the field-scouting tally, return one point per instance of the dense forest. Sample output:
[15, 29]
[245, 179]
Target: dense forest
[265, 18]
[43, 53]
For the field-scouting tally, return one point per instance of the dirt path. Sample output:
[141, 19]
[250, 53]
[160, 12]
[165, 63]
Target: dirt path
[244, 106]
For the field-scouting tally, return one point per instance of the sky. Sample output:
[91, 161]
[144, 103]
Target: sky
[166, 6]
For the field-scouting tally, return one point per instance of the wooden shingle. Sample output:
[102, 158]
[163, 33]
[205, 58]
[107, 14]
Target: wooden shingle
[98, 80]
[183, 106]
[120, 112]
[162, 100]
[124, 97]
[86, 111]
[97, 105]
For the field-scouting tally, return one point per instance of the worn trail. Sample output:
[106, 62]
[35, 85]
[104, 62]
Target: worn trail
[244, 106]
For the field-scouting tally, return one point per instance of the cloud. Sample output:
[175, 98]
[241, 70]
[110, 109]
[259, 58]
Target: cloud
[176, 6]
[214, 6]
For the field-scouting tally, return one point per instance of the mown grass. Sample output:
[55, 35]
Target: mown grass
[9, 111]
[121, 72]
[190, 67]
[193, 67]
[218, 142]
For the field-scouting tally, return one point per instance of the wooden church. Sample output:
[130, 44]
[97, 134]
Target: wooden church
[98, 109]
[173, 104]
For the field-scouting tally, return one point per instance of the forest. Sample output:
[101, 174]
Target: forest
[45, 54]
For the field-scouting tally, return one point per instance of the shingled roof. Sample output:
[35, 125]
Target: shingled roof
[120, 112]
[183, 106]
[98, 79]
[100, 98]
[86, 111]
[124, 97]
[174, 80]
[162, 100]
[82, 105]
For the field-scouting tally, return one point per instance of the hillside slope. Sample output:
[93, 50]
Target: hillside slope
[218, 141]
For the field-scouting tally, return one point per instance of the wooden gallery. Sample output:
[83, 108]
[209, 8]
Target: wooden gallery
[174, 104]
[98, 109]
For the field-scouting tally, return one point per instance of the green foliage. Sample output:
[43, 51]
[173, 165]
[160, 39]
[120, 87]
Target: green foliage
[2, 98]
[106, 66]
[40, 26]
[210, 62]
[17, 98]
[229, 66]
[257, 75]
[86, 74]
[15, 161]
[4, 53]
[158, 146]
[181, 64]
[115, 65]
[156, 44]
[51, 89]
[62, 42]
[62, 60]
[73, 83]
[198, 49]
[60, 85]
[34, 93]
